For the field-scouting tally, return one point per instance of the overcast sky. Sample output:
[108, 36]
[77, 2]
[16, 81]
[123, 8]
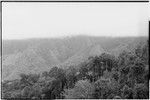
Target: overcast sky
[39, 20]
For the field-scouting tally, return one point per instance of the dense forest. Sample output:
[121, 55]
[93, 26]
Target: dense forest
[38, 55]
[100, 77]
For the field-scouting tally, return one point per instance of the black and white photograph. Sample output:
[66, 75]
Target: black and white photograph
[74, 50]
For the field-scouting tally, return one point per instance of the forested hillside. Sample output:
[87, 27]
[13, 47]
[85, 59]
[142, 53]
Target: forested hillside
[105, 74]
[38, 55]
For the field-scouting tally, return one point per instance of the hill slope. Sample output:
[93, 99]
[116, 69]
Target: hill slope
[37, 55]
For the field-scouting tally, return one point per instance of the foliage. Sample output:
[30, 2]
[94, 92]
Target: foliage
[106, 88]
[141, 91]
[83, 90]
[71, 77]
[100, 77]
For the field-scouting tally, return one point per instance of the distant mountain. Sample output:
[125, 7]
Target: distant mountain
[130, 46]
[25, 62]
[83, 55]
[38, 55]
[119, 49]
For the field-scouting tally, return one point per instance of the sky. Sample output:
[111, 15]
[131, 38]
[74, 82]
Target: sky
[50, 20]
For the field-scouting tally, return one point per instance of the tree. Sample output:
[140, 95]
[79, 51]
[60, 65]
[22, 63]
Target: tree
[83, 90]
[141, 91]
[57, 85]
[25, 92]
[127, 92]
[106, 88]
[71, 77]
[102, 90]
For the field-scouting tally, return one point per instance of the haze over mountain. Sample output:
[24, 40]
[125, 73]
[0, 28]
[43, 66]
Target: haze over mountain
[38, 55]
